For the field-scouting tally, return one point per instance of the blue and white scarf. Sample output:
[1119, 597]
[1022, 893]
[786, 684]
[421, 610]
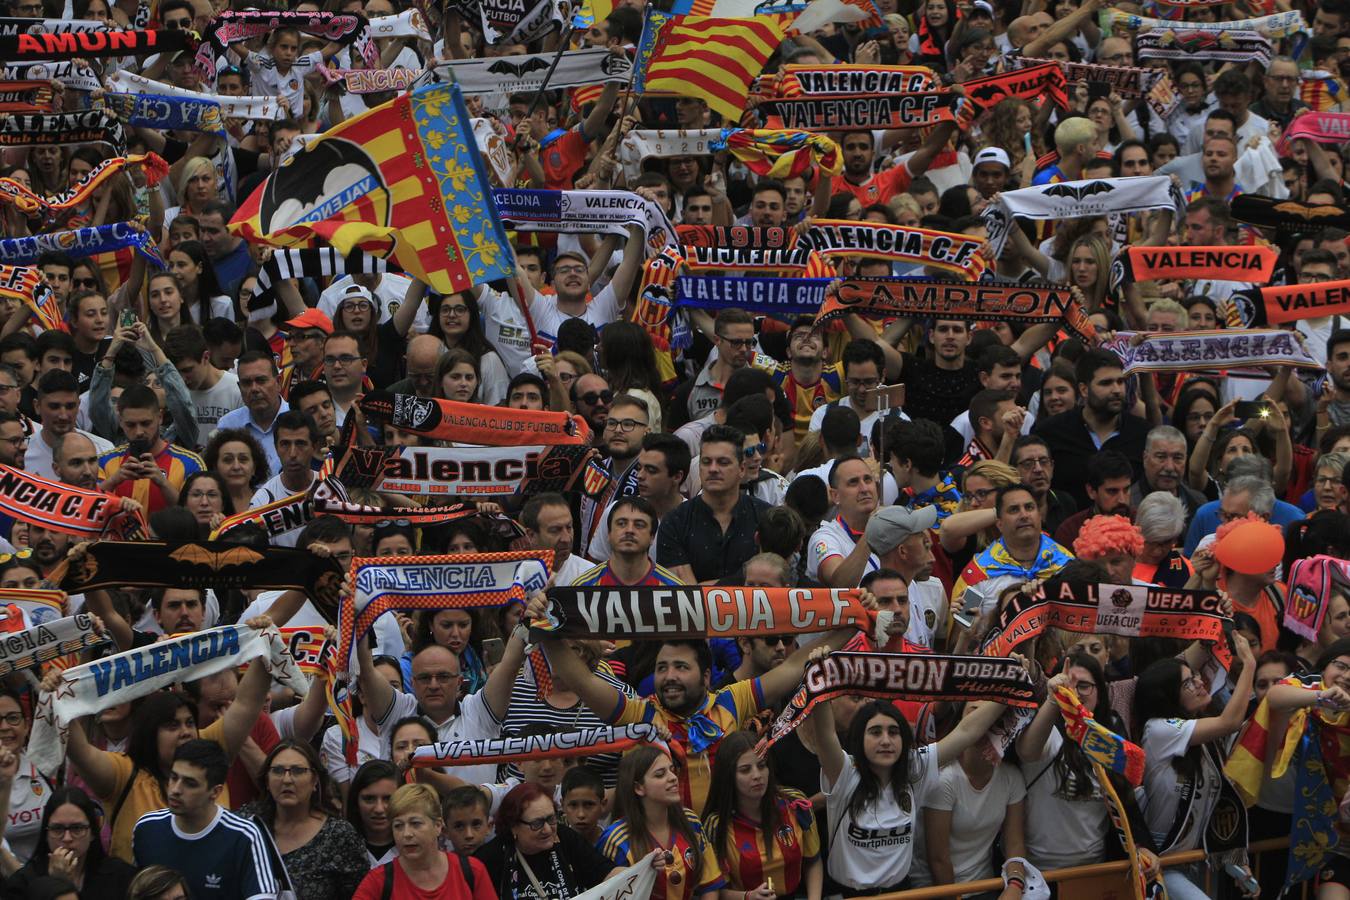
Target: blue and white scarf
[167, 113]
[80, 243]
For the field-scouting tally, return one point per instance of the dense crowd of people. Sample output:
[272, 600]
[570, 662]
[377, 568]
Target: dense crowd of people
[947, 468]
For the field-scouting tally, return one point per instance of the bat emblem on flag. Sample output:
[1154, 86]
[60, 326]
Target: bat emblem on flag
[520, 70]
[217, 560]
[1081, 192]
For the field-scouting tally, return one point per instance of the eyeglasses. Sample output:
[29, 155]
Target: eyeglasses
[743, 343]
[979, 494]
[83, 283]
[344, 360]
[1040, 462]
[755, 450]
[785, 640]
[437, 677]
[13, 719]
[623, 425]
[306, 335]
[539, 824]
[862, 383]
[593, 398]
[568, 270]
[293, 772]
[5, 388]
[16, 441]
[357, 304]
[197, 495]
[1195, 684]
[18, 554]
[1327, 480]
[1283, 79]
[460, 310]
[77, 830]
[179, 24]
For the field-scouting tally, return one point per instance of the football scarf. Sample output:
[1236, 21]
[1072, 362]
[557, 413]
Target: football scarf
[275, 519]
[11, 26]
[26, 96]
[1185, 351]
[1279, 25]
[474, 423]
[1044, 79]
[1305, 301]
[638, 145]
[230, 107]
[886, 298]
[520, 21]
[459, 581]
[1127, 81]
[1077, 199]
[1235, 263]
[782, 154]
[761, 296]
[409, 23]
[1322, 127]
[81, 243]
[48, 47]
[1126, 610]
[202, 564]
[866, 112]
[585, 212]
[1288, 217]
[28, 203]
[847, 81]
[330, 498]
[318, 262]
[525, 73]
[20, 283]
[742, 259]
[48, 641]
[955, 253]
[39, 605]
[482, 472]
[59, 129]
[167, 112]
[310, 649]
[75, 75]
[1311, 582]
[656, 613]
[562, 745]
[371, 81]
[923, 677]
[1220, 46]
[751, 237]
[96, 686]
[66, 508]
[231, 27]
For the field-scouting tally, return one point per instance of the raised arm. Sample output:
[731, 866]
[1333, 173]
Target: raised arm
[826, 741]
[249, 699]
[1031, 742]
[406, 314]
[497, 691]
[628, 269]
[969, 730]
[1062, 30]
[1235, 710]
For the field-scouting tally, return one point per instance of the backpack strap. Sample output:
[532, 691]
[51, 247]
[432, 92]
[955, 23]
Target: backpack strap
[388, 890]
[122, 798]
[467, 870]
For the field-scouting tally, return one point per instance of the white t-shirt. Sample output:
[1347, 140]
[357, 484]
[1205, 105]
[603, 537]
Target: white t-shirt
[215, 402]
[865, 436]
[28, 796]
[271, 491]
[1164, 740]
[369, 745]
[474, 721]
[1062, 829]
[832, 538]
[267, 81]
[388, 638]
[876, 849]
[37, 459]
[506, 331]
[221, 307]
[927, 609]
[977, 819]
[602, 309]
[573, 569]
[390, 292]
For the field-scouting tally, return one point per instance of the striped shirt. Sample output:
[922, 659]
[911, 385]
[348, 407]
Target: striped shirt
[175, 462]
[526, 708]
[230, 859]
[697, 866]
[603, 576]
[746, 858]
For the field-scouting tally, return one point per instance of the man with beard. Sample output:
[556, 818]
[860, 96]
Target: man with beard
[1022, 553]
[1334, 406]
[860, 153]
[804, 379]
[1036, 467]
[296, 439]
[591, 396]
[695, 716]
[1108, 487]
[548, 523]
[1101, 423]
[1217, 161]
[75, 460]
[904, 545]
[621, 436]
[58, 405]
[147, 468]
[940, 388]
[733, 335]
[1165, 452]
[838, 554]
[631, 528]
[865, 370]
[344, 368]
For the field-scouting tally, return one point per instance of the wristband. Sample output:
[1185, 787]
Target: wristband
[1014, 880]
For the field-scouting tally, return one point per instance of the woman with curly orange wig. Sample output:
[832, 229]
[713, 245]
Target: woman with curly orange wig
[1112, 541]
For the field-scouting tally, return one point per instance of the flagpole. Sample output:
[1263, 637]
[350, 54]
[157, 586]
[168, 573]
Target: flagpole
[548, 76]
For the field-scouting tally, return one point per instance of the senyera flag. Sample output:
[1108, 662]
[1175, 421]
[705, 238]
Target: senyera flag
[403, 181]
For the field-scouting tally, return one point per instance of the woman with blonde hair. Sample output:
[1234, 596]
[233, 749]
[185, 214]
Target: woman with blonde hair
[970, 529]
[423, 870]
[195, 185]
[1090, 269]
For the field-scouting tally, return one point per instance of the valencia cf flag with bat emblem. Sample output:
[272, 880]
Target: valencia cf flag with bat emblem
[403, 181]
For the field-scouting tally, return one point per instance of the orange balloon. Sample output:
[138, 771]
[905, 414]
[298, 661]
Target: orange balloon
[1252, 548]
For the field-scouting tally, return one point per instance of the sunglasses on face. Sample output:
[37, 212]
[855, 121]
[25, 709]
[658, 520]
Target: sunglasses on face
[592, 398]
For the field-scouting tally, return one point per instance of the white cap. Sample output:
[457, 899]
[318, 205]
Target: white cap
[993, 155]
[984, 7]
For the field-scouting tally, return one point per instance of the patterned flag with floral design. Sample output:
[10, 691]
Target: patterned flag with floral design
[403, 181]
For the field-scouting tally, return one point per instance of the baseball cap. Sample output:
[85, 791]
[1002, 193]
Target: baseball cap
[983, 7]
[312, 318]
[893, 525]
[993, 155]
[355, 291]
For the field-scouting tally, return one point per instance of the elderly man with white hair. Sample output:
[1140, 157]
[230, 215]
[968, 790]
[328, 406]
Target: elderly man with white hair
[1161, 518]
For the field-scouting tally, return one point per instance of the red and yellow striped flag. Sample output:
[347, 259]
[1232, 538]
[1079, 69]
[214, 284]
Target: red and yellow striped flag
[711, 58]
[403, 181]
